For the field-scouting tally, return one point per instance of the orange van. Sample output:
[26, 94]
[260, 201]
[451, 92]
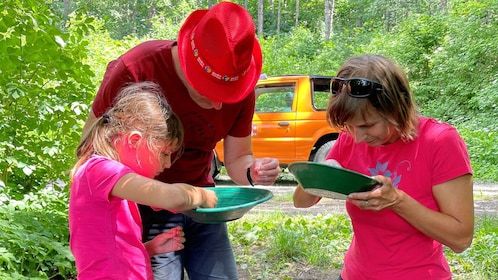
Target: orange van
[289, 121]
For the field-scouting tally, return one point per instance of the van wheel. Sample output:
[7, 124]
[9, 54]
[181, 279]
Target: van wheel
[323, 151]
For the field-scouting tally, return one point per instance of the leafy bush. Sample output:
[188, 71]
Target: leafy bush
[481, 138]
[292, 53]
[34, 237]
[44, 87]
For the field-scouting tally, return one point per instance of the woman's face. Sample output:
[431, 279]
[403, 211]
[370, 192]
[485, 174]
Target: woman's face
[372, 129]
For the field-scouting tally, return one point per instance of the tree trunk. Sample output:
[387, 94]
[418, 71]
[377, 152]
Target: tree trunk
[132, 16]
[444, 5]
[332, 11]
[329, 10]
[297, 13]
[260, 17]
[152, 10]
[67, 7]
[278, 17]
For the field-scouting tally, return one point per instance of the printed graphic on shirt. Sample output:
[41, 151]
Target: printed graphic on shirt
[382, 169]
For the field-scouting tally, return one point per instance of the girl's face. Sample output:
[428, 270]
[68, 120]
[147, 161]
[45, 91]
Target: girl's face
[137, 155]
[372, 129]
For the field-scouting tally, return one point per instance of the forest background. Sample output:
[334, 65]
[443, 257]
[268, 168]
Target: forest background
[53, 55]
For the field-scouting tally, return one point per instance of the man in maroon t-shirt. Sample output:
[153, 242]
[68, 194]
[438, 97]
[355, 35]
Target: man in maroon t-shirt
[208, 77]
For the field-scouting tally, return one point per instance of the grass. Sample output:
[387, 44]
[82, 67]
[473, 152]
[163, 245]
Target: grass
[273, 245]
[480, 261]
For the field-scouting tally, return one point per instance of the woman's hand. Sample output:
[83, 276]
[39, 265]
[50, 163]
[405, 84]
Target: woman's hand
[382, 197]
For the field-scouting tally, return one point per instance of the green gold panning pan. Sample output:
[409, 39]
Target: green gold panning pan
[329, 181]
[233, 203]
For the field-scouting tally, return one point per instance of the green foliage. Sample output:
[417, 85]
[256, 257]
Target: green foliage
[411, 43]
[34, 238]
[43, 84]
[481, 139]
[318, 241]
[124, 18]
[291, 53]
[464, 66]
[104, 50]
[480, 261]
[296, 240]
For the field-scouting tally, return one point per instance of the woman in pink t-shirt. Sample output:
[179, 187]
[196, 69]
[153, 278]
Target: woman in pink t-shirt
[425, 199]
[125, 148]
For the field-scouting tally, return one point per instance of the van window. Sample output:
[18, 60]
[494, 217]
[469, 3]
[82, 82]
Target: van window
[321, 93]
[277, 98]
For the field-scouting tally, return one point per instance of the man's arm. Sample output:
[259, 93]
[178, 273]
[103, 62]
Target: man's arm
[239, 157]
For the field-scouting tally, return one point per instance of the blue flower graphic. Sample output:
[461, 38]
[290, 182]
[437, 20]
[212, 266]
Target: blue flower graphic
[381, 169]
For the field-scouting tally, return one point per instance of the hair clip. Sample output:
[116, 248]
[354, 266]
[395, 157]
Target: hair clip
[106, 118]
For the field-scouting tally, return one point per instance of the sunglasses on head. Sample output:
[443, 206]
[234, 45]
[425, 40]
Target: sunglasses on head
[356, 87]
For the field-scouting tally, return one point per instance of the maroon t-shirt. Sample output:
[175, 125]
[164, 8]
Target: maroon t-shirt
[152, 61]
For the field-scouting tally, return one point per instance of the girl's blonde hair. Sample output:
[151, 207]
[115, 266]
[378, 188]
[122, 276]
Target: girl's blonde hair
[395, 103]
[138, 107]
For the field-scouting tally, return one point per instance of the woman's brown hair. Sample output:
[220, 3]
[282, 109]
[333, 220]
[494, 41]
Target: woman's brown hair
[394, 103]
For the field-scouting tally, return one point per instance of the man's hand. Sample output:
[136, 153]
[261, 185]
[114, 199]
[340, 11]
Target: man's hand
[264, 171]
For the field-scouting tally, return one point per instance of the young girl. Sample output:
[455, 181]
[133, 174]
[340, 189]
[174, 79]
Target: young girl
[117, 159]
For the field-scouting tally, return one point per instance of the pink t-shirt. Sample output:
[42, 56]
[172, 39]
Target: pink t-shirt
[105, 231]
[384, 245]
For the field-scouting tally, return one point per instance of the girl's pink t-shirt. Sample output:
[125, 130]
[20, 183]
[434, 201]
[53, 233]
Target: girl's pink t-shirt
[105, 231]
[384, 245]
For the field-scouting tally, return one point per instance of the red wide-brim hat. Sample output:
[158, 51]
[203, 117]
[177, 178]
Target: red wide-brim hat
[219, 53]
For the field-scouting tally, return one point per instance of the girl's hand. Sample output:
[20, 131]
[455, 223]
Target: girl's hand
[166, 242]
[382, 197]
[209, 197]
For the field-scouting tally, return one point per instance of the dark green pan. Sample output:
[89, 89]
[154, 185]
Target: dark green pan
[328, 181]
